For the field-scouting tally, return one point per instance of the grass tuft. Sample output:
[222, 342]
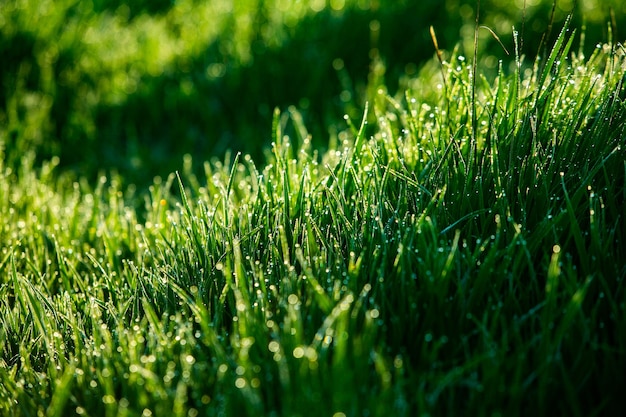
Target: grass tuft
[460, 252]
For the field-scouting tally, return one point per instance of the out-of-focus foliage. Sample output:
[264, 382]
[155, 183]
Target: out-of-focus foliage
[133, 86]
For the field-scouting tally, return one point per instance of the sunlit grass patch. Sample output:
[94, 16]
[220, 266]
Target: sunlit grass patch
[453, 252]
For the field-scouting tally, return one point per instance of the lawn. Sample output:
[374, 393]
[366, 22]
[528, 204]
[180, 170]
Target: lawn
[441, 237]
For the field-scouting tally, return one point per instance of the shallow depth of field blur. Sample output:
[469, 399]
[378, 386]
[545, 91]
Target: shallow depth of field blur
[294, 208]
[133, 86]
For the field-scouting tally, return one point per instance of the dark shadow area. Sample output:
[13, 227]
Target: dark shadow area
[212, 103]
[320, 71]
[133, 8]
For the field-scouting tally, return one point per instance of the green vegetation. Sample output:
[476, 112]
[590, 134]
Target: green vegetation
[454, 249]
[133, 86]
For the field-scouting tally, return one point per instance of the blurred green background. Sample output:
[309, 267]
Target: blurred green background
[133, 86]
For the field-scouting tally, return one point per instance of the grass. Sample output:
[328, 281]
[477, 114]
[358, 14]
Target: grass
[106, 84]
[458, 250]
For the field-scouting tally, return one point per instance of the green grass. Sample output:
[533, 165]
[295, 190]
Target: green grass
[132, 86]
[457, 251]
